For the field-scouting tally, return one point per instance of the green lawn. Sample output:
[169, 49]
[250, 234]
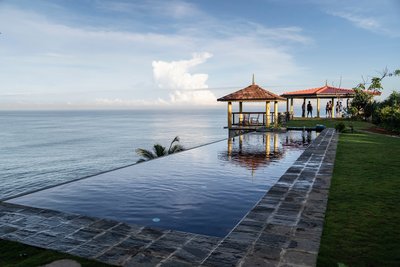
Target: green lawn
[329, 123]
[362, 220]
[13, 254]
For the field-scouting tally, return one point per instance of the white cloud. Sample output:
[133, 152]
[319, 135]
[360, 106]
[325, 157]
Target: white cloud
[366, 23]
[379, 17]
[175, 75]
[56, 59]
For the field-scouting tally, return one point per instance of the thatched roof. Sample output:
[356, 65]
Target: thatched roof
[252, 93]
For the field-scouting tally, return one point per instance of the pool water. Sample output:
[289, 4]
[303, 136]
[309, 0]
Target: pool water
[206, 190]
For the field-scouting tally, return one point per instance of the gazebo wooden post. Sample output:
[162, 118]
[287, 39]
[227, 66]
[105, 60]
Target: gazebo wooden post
[276, 113]
[287, 105]
[318, 107]
[333, 107]
[229, 115]
[240, 110]
[291, 107]
[303, 111]
[267, 114]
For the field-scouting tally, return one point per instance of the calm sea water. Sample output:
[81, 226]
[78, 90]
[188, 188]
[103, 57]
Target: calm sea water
[43, 148]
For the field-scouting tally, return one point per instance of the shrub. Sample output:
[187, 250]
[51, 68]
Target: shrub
[340, 127]
[390, 118]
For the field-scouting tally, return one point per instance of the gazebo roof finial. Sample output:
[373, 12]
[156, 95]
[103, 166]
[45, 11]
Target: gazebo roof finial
[326, 82]
[253, 83]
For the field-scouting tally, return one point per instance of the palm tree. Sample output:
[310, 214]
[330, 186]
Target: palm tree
[159, 150]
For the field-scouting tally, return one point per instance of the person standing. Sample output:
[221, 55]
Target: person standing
[303, 109]
[327, 110]
[337, 109]
[309, 109]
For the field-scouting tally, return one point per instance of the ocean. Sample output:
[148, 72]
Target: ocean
[44, 148]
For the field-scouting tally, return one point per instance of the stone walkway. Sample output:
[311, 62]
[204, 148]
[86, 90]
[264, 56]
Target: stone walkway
[282, 229]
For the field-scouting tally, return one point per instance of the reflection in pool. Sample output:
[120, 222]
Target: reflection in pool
[205, 190]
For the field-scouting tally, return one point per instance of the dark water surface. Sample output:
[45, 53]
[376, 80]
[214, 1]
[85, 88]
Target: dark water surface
[205, 190]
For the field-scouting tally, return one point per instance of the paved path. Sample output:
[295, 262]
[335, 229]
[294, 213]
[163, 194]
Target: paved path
[282, 229]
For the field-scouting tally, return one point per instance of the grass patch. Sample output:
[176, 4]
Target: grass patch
[329, 123]
[361, 223]
[13, 254]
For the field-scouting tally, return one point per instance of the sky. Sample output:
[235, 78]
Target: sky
[101, 54]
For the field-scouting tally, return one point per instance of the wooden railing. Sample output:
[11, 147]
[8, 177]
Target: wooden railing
[250, 118]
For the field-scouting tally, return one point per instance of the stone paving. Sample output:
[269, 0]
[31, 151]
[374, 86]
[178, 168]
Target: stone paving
[282, 229]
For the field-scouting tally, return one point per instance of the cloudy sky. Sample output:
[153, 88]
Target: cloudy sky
[147, 54]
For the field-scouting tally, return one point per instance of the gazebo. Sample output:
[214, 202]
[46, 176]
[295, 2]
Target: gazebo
[252, 120]
[324, 92]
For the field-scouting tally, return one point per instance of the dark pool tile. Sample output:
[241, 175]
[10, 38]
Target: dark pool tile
[266, 252]
[64, 229]
[207, 242]
[281, 230]
[5, 229]
[192, 252]
[66, 244]
[86, 234]
[248, 227]
[103, 224]
[224, 257]
[19, 234]
[116, 256]
[133, 242]
[164, 247]
[89, 250]
[272, 240]
[83, 221]
[11, 217]
[41, 239]
[28, 221]
[257, 261]
[31, 211]
[301, 244]
[50, 213]
[175, 262]
[143, 259]
[110, 238]
[242, 237]
[293, 257]
[290, 220]
[126, 229]
[151, 233]
[53, 221]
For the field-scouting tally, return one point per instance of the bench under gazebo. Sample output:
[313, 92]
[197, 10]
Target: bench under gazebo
[252, 120]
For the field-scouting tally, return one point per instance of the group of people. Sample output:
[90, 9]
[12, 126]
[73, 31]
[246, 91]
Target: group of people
[328, 109]
[338, 108]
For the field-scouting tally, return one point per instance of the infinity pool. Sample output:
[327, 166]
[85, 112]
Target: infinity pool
[205, 190]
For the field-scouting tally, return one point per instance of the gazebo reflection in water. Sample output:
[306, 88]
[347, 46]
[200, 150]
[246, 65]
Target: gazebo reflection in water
[255, 150]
